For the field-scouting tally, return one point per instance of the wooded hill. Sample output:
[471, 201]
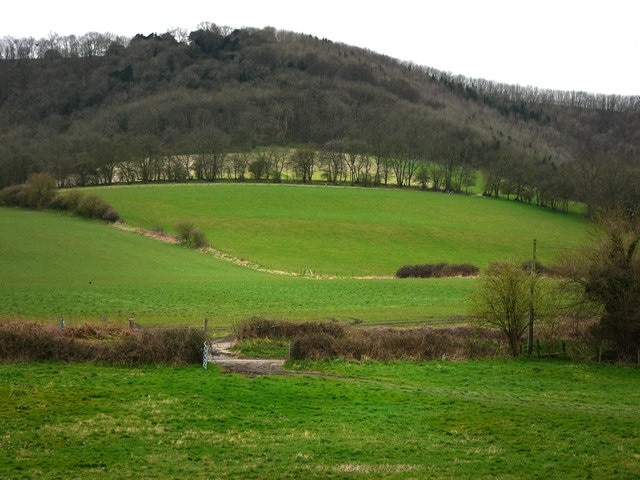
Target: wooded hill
[97, 109]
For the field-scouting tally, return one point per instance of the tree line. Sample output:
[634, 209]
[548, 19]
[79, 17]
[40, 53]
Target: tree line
[181, 106]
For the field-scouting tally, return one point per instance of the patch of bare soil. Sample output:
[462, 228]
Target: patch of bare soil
[221, 354]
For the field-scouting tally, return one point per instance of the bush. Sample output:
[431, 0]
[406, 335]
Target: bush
[68, 201]
[314, 341]
[437, 270]
[110, 215]
[314, 346]
[91, 206]
[540, 268]
[40, 189]
[37, 192]
[13, 196]
[191, 236]
[258, 327]
[197, 239]
[88, 206]
[183, 230]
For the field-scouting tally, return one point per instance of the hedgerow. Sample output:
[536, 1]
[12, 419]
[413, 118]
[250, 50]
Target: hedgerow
[437, 270]
[258, 327]
[315, 341]
[39, 192]
[106, 344]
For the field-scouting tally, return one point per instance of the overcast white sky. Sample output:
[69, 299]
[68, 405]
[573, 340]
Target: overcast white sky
[587, 45]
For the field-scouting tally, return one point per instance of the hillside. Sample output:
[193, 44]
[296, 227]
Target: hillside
[57, 265]
[335, 251]
[350, 231]
[98, 109]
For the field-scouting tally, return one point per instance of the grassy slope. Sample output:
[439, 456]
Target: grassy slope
[490, 419]
[350, 231]
[56, 265]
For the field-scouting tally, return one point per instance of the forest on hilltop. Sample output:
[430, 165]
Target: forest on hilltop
[182, 106]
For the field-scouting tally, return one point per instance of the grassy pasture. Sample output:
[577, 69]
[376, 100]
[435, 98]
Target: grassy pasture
[56, 265]
[490, 419]
[350, 231]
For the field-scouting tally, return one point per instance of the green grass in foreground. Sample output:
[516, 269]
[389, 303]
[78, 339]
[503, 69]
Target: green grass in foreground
[489, 419]
[56, 265]
[350, 231]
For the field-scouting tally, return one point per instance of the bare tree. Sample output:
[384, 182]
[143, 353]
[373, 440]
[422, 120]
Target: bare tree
[303, 163]
[240, 163]
[332, 159]
[503, 301]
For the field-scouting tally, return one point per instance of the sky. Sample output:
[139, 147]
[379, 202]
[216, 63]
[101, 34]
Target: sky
[582, 45]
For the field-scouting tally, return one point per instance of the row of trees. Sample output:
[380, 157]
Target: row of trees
[91, 44]
[448, 165]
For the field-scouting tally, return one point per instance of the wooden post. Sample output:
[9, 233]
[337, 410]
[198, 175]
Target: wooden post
[531, 300]
[205, 325]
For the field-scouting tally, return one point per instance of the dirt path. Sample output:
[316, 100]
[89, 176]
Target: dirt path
[164, 237]
[220, 353]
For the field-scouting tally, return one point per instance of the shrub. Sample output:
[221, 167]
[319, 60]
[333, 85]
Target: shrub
[314, 346]
[461, 270]
[197, 239]
[110, 215]
[540, 268]
[40, 189]
[191, 236]
[13, 196]
[258, 327]
[37, 192]
[68, 201]
[88, 206]
[437, 270]
[183, 230]
[91, 206]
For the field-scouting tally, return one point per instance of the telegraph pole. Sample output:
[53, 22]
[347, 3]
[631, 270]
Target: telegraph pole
[531, 300]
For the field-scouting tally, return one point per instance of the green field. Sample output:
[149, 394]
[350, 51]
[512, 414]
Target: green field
[475, 419]
[350, 231]
[54, 265]
[489, 419]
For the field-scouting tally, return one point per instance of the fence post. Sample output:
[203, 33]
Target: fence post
[205, 324]
[62, 324]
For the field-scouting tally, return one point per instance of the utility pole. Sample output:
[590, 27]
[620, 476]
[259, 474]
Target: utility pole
[531, 300]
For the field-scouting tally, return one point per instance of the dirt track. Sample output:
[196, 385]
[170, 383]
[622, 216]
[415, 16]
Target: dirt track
[221, 355]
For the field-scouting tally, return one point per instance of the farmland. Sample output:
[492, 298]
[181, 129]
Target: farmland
[326, 238]
[55, 265]
[328, 419]
[350, 231]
